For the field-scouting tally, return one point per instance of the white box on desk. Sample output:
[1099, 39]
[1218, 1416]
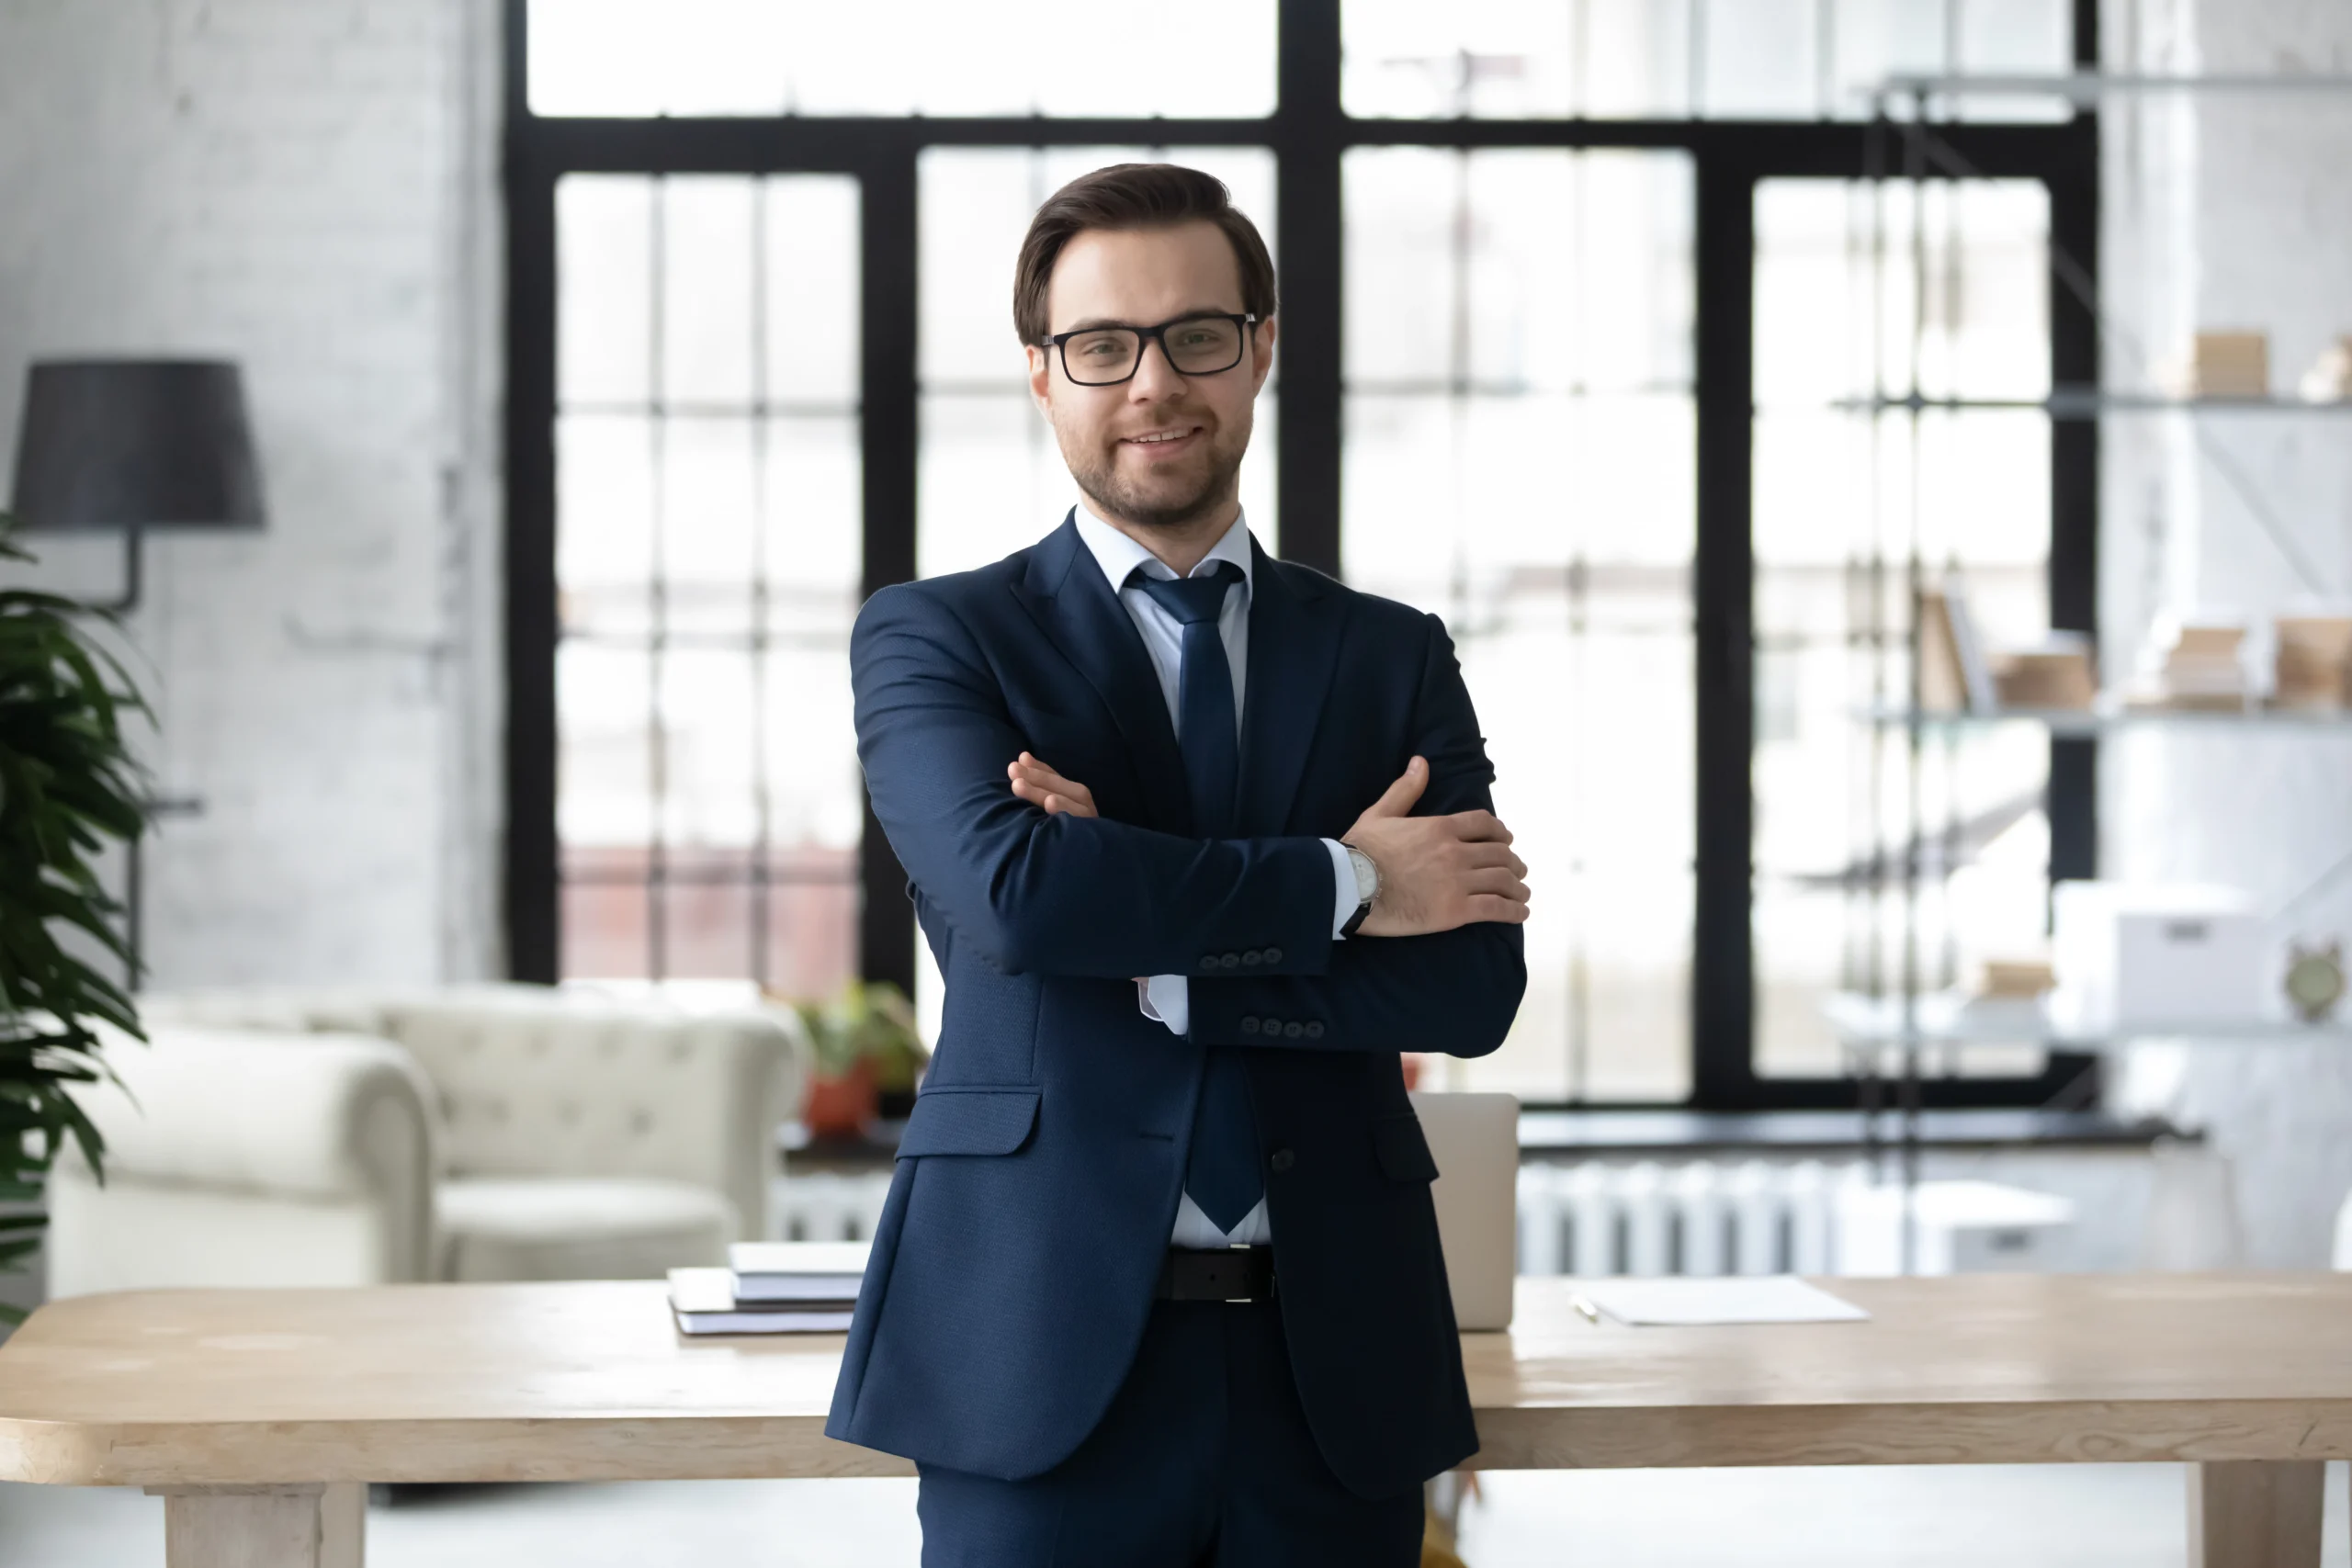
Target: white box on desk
[2162, 953]
[1957, 1227]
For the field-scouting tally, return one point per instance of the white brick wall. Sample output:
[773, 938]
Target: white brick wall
[307, 186]
[2232, 211]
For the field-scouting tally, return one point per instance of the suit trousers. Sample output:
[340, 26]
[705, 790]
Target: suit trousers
[1202, 1460]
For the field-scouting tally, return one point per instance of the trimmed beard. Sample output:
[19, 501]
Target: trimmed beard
[1114, 498]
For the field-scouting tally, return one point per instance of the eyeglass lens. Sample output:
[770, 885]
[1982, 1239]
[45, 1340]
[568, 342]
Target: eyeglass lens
[1198, 347]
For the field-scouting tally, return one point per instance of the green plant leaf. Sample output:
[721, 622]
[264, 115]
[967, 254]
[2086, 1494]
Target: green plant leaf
[70, 790]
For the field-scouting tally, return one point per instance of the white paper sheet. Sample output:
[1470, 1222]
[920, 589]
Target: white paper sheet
[1679, 1302]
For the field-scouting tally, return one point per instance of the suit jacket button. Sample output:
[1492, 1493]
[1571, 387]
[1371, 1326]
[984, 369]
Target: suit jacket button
[1313, 1031]
[1251, 959]
[1209, 961]
[1283, 1160]
[1230, 961]
[1249, 1026]
[1273, 955]
[1293, 1031]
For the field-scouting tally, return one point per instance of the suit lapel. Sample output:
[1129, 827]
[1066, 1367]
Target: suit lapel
[1077, 609]
[1294, 623]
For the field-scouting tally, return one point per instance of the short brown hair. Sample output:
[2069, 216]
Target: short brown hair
[1134, 196]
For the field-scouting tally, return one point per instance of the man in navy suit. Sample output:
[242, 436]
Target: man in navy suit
[1200, 841]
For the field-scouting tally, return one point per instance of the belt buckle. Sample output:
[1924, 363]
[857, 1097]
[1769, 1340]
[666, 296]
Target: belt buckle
[1243, 1248]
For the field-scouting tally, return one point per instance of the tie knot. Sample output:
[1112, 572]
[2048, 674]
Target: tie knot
[1190, 600]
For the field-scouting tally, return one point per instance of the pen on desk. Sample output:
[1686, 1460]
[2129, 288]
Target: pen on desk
[1585, 1308]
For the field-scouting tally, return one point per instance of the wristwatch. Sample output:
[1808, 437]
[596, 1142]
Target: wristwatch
[1367, 888]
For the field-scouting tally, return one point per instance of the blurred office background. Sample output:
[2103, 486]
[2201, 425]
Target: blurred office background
[603, 355]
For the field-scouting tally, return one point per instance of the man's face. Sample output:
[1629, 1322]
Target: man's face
[1141, 279]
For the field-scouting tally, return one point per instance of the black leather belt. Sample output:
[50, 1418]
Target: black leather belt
[1217, 1274]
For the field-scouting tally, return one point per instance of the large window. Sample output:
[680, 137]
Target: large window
[707, 569]
[1871, 291]
[1517, 456]
[1587, 307]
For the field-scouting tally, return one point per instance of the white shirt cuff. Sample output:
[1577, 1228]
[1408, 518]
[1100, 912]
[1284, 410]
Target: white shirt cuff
[1167, 999]
[1343, 887]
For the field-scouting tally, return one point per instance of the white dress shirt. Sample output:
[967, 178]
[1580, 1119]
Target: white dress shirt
[1168, 998]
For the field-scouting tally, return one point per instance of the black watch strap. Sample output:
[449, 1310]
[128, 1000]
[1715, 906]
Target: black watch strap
[1363, 901]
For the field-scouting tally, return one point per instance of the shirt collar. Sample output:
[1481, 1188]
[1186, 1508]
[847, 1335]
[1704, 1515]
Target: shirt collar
[1119, 555]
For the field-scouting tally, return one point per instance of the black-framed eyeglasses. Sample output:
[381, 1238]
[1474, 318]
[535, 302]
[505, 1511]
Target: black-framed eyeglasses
[1199, 344]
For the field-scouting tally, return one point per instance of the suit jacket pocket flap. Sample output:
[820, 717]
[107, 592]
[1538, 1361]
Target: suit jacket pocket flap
[1403, 1150]
[969, 1122]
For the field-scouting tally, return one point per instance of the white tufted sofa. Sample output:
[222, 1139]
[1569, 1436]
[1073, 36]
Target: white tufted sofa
[473, 1132]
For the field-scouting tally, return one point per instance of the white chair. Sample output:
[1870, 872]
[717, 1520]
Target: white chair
[561, 1136]
[250, 1159]
[2343, 1255]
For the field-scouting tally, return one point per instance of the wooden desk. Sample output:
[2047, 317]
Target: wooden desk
[260, 1415]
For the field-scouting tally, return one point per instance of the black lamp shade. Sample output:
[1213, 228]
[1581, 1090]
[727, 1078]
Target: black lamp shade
[115, 445]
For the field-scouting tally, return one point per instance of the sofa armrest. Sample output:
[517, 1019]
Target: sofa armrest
[537, 1082]
[315, 1116]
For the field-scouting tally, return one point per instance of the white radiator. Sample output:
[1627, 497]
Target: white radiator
[826, 1206]
[1593, 1219]
[1589, 1218]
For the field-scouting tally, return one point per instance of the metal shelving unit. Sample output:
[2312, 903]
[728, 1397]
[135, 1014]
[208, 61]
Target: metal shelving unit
[1944, 1020]
[2111, 717]
[1913, 1018]
[2090, 402]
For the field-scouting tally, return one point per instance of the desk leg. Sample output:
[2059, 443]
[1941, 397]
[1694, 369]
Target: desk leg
[2255, 1514]
[264, 1527]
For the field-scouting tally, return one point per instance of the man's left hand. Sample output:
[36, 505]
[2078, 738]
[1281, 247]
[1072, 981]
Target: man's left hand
[1038, 784]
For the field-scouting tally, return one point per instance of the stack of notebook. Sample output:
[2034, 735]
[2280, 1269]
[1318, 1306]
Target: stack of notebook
[771, 1287]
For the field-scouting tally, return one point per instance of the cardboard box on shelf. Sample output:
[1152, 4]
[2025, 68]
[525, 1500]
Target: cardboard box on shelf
[2016, 977]
[2315, 661]
[2058, 674]
[2223, 365]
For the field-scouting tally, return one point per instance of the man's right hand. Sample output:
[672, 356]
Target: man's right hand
[1436, 872]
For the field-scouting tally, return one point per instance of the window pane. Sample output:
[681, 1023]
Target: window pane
[811, 295]
[607, 917]
[605, 550]
[812, 560]
[1851, 509]
[707, 259]
[1517, 458]
[758, 57]
[605, 759]
[992, 479]
[708, 534]
[1676, 59]
[1507, 60]
[704, 702]
[1532, 290]
[1759, 60]
[603, 289]
[710, 494]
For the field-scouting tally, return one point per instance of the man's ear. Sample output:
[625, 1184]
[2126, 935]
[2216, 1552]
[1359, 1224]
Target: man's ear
[1040, 380]
[1261, 353]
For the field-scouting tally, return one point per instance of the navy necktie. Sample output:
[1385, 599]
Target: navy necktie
[1205, 727]
[1222, 1172]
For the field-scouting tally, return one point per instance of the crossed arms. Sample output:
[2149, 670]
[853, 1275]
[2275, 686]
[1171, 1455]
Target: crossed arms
[1062, 892]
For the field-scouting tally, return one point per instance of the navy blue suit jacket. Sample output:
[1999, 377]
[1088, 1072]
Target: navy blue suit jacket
[1038, 1179]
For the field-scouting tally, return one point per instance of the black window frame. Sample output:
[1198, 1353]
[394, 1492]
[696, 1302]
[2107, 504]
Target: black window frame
[1309, 133]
